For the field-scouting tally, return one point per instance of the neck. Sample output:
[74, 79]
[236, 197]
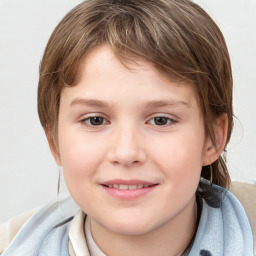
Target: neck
[169, 239]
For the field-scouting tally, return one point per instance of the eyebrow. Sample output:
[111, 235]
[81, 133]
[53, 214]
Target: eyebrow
[89, 102]
[168, 103]
[150, 104]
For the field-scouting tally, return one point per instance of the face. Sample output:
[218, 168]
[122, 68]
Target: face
[131, 145]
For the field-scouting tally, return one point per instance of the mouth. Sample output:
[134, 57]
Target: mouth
[128, 187]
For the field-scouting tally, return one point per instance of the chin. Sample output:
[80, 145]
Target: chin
[132, 227]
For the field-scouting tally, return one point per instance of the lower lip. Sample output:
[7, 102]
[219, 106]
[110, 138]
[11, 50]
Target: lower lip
[126, 194]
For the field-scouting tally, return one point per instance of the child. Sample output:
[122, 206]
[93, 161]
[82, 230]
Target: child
[135, 98]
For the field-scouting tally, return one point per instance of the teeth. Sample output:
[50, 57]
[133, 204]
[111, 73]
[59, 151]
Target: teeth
[131, 187]
[128, 187]
[123, 186]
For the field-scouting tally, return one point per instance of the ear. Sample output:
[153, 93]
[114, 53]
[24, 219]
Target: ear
[53, 147]
[212, 149]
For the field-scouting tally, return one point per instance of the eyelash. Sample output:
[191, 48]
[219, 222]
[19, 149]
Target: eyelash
[89, 121]
[170, 121]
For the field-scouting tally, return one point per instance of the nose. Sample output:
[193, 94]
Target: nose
[127, 147]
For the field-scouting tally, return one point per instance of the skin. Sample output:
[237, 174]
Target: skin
[148, 129]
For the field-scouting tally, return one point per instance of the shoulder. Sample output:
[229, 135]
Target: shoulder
[9, 229]
[29, 232]
[224, 228]
[246, 194]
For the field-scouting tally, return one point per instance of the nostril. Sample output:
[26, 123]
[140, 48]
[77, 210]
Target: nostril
[127, 162]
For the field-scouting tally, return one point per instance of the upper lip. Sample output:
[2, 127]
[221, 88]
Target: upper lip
[127, 182]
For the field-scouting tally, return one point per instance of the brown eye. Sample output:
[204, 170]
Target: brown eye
[94, 121]
[161, 120]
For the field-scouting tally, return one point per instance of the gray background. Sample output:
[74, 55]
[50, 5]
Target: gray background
[28, 173]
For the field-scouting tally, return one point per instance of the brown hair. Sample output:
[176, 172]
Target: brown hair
[177, 36]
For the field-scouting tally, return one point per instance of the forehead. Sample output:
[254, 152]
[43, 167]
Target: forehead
[106, 81]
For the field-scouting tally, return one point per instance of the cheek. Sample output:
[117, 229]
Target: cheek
[184, 147]
[79, 155]
[80, 159]
[180, 155]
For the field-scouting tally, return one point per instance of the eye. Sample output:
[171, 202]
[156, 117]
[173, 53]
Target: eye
[161, 121]
[94, 121]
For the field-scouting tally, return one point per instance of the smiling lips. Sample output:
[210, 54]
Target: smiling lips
[128, 187]
[128, 190]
